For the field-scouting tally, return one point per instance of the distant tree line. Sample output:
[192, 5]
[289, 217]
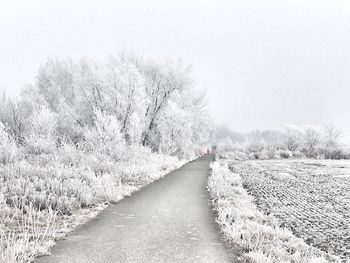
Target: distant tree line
[312, 142]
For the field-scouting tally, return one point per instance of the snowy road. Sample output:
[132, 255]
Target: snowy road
[168, 221]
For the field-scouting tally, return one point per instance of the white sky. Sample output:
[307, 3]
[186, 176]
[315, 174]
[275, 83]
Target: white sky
[264, 63]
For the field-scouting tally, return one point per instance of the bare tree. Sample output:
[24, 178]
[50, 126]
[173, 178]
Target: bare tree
[162, 80]
[332, 136]
[312, 140]
[293, 138]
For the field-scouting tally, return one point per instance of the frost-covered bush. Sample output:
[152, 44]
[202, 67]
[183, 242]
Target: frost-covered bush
[105, 137]
[334, 153]
[70, 154]
[9, 151]
[68, 124]
[285, 154]
[269, 152]
[42, 137]
[235, 155]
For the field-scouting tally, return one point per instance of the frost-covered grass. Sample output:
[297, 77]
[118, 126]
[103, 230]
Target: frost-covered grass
[24, 235]
[44, 196]
[258, 235]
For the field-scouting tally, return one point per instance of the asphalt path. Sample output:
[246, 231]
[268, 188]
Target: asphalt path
[168, 221]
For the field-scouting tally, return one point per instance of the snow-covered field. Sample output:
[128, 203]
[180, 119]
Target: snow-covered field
[284, 210]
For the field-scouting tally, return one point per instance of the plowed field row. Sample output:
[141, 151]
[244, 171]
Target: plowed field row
[310, 198]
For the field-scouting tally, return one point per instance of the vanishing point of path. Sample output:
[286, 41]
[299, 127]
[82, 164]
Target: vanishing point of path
[167, 221]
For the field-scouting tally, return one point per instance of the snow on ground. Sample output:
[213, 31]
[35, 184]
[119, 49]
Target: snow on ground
[284, 210]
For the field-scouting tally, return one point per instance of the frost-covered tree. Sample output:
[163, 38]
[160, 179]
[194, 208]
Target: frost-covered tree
[127, 95]
[162, 80]
[55, 80]
[154, 103]
[331, 143]
[331, 135]
[293, 137]
[312, 140]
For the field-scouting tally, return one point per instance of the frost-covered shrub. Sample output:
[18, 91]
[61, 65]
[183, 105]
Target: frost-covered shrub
[236, 155]
[108, 188]
[297, 154]
[334, 153]
[254, 148]
[68, 127]
[285, 154]
[38, 144]
[41, 138]
[269, 152]
[101, 164]
[70, 155]
[105, 137]
[9, 151]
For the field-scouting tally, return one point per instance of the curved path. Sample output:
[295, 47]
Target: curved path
[168, 221]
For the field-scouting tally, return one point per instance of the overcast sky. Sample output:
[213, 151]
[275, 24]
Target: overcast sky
[263, 63]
